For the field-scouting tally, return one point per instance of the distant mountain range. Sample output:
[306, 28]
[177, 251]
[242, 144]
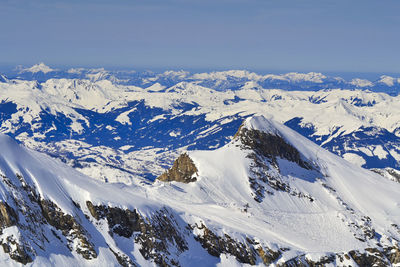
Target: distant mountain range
[114, 131]
[220, 81]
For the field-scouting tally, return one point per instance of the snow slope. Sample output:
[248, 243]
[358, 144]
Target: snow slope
[227, 170]
[314, 206]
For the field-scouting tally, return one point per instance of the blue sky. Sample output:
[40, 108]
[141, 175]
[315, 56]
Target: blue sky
[309, 35]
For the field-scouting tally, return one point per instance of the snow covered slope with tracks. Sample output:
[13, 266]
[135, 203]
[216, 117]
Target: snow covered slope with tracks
[269, 196]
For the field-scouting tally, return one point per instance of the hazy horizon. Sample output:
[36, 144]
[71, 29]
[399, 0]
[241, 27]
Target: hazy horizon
[12, 69]
[311, 35]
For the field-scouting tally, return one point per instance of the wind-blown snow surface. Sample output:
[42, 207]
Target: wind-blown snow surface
[282, 215]
[113, 131]
[351, 208]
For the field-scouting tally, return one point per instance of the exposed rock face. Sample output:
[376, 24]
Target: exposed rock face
[265, 175]
[393, 254]
[270, 145]
[69, 227]
[8, 217]
[265, 178]
[388, 173]
[122, 259]
[268, 256]
[302, 261]
[372, 257]
[216, 245]
[39, 215]
[122, 222]
[369, 257]
[182, 171]
[245, 252]
[161, 238]
[157, 235]
[17, 246]
[17, 252]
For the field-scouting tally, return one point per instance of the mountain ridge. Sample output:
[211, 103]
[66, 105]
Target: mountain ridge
[169, 223]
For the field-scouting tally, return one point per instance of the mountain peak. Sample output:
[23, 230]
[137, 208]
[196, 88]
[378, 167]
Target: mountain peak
[41, 67]
[183, 170]
[260, 123]
[263, 137]
[387, 80]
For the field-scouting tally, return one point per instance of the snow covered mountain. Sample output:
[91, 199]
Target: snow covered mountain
[113, 131]
[41, 67]
[269, 196]
[219, 80]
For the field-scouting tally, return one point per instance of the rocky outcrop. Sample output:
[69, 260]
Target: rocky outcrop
[303, 261]
[11, 245]
[265, 148]
[267, 255]
[122, 259]
[371, 257]
[69, 227]
[270, 146]
[159, 236]
[245, 252]
[216, 245]
[17, 252]
[389, 173]
[18, 247]
[122, 222]
[39, 216]
[265, 178]
[8, 216]
[380, 257]
[392, 254]
[182, 171]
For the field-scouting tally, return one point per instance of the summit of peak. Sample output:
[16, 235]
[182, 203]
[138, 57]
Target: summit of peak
[260, 123]
[41, 67]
